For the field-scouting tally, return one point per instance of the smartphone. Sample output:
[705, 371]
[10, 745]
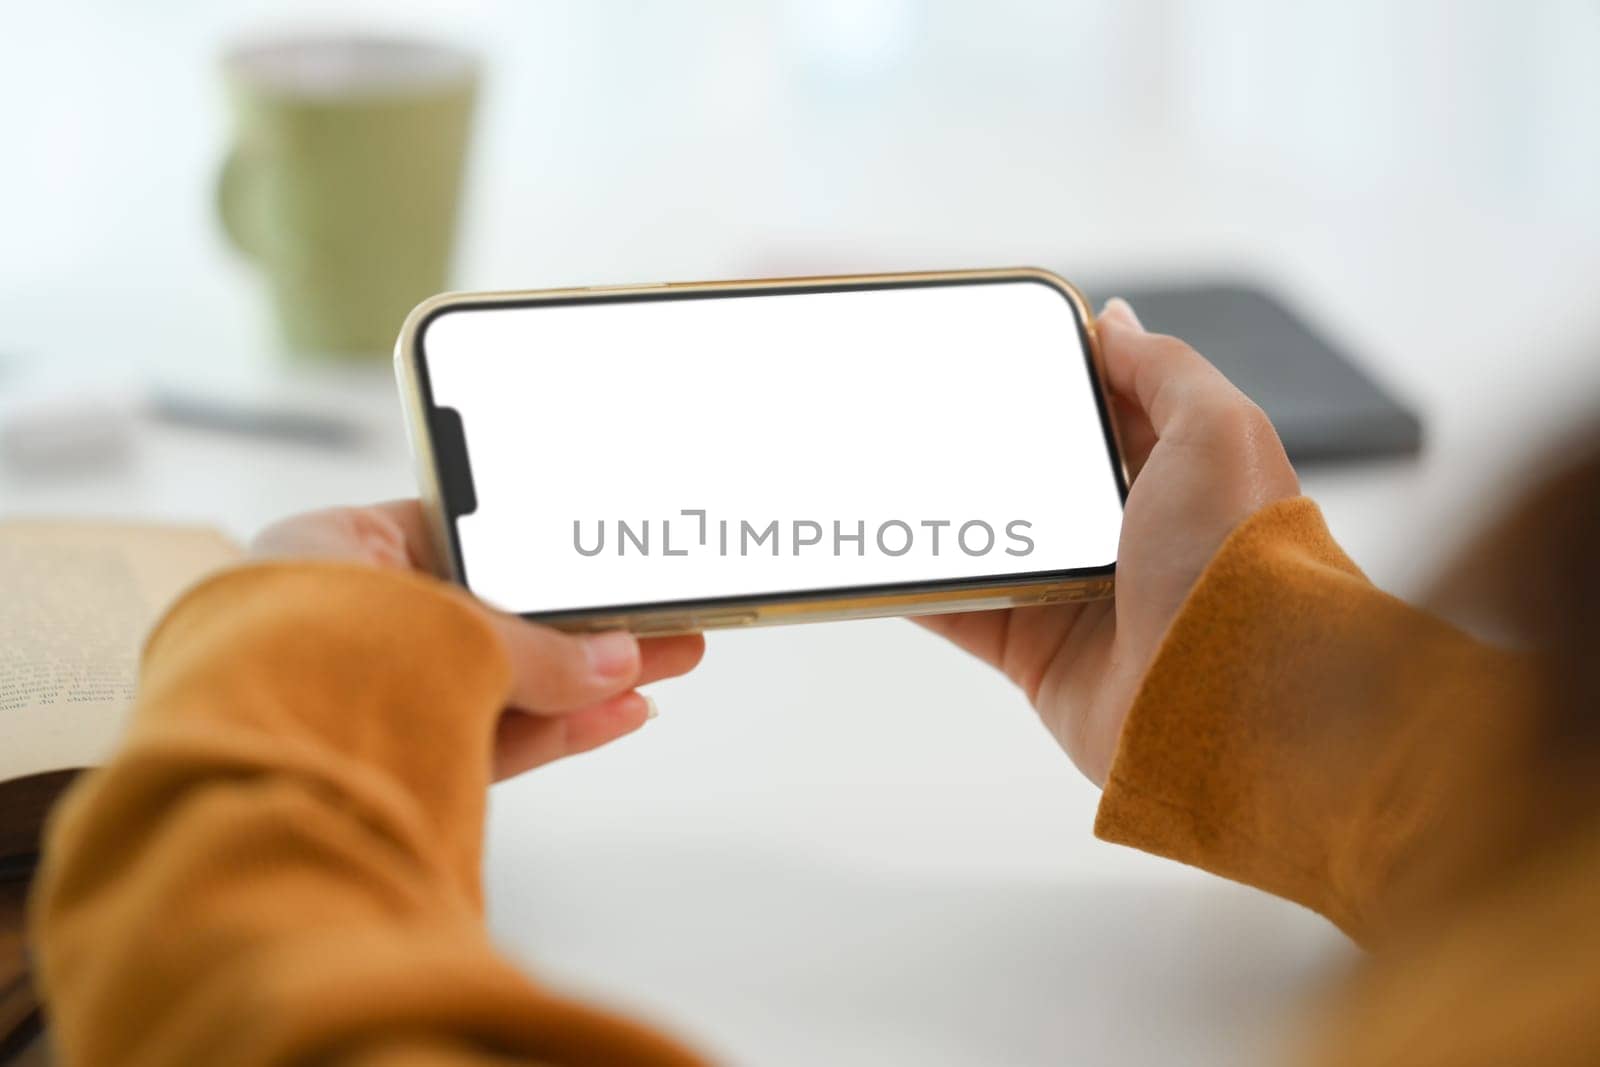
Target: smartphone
[688, 456]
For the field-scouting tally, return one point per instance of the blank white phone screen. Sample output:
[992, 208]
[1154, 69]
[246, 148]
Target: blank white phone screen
[640, 452]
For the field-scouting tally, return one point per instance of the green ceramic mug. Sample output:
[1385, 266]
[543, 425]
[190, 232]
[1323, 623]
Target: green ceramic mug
[344, 179]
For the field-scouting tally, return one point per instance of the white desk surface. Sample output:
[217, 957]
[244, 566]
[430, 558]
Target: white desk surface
[847, 843]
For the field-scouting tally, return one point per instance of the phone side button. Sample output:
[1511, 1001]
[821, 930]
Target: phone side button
[664, 624]
[721, 619]
[1074, 593]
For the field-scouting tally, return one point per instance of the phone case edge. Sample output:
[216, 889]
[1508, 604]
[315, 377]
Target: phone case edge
[1003, 593]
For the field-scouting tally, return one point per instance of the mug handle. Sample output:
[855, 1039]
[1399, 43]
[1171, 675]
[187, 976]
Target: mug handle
[235, 181]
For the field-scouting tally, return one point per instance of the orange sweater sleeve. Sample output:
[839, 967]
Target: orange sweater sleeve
[281, 865]
[1301, 731]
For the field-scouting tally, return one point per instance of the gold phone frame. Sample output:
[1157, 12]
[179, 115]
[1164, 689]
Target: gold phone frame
[769, 609]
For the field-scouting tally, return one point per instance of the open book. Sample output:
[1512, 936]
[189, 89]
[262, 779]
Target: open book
[76, 601]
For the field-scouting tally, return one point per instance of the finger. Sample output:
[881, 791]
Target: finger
[1135, 432]
[554, 672]
[668, 657]
[1017, 641]
[1122, 312]
[409, 517]
[981, 633]
[523, 742]
[368, 535]
[1164, 377]
[1133, 427]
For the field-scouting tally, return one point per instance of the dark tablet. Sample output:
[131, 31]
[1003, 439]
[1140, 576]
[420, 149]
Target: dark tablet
[1324, 403]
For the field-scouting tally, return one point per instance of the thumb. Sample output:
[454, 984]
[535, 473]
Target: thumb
[1121, 312]
[1165, 379]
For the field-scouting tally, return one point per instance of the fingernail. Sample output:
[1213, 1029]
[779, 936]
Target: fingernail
[650, 711]
[1122, 311]
[612, 654]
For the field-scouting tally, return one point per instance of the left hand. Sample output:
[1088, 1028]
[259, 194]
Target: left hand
[570, 692]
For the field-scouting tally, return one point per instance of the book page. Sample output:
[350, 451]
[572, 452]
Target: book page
[76, 602]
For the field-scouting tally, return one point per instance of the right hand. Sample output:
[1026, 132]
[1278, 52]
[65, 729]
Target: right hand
[1203, 459]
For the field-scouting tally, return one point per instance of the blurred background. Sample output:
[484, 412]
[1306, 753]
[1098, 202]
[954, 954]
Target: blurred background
[840, 842]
